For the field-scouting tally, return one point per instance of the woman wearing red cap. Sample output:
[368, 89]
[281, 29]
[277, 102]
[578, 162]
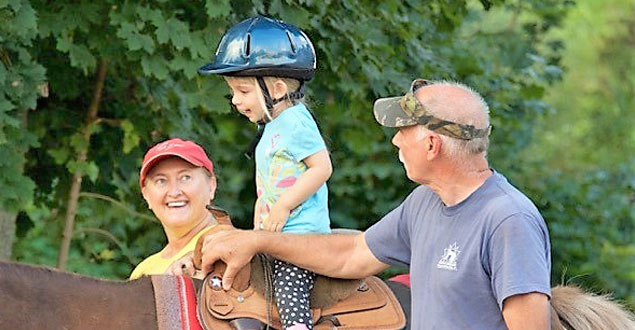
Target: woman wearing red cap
[177, 181]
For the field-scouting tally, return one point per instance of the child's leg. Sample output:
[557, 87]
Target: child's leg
[292, 287]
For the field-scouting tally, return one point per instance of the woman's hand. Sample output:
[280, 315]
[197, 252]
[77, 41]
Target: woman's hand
[184, 266]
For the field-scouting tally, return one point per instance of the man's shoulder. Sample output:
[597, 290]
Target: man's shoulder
[421, 191]
[505, 200]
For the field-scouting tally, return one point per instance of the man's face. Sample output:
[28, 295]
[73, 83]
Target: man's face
[177, 192]
[246, 98]
[413, 145]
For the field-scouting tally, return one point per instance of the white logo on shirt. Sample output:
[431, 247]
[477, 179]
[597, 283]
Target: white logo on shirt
[450, 254]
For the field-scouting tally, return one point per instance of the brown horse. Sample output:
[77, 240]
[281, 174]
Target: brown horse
[35, 297]
[44, 298]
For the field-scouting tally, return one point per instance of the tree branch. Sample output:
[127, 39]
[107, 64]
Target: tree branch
[76, 182]
[117, 203]
[108, 235]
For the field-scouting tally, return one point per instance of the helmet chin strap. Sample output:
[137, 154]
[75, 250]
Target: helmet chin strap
[270, 103]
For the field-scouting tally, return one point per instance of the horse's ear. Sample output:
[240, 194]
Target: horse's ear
[222, 217]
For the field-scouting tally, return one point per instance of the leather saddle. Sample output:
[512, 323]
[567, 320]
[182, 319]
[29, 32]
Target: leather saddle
[335, 303]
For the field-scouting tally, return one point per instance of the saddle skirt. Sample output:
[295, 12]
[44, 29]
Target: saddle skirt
[335, 304]
[371, 306]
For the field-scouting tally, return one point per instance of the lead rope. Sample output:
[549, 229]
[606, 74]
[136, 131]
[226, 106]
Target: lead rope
[268, 275]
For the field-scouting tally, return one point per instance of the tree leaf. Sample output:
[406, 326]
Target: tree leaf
[217, 8]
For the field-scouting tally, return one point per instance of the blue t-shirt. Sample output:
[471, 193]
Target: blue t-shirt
[286, 141]
[466, 259]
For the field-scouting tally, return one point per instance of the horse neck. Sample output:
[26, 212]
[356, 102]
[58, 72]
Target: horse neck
[46, 298]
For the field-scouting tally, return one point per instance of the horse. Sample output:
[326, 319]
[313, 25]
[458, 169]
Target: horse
[37, 297]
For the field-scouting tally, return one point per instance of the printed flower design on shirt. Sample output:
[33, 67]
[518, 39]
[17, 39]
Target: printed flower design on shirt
[283, 173]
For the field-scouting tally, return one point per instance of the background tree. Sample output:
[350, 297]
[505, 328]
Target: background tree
[584, 153]
[366, 49]
[21, 77]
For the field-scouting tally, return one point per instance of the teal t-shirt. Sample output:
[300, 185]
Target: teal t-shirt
[286, 141]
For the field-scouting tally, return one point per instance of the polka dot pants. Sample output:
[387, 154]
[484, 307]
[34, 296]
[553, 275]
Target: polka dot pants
[292, 286]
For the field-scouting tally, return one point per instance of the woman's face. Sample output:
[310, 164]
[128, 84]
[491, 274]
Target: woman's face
[177, 192]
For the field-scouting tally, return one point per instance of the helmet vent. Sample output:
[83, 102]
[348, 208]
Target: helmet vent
[248, 45]
[293, 47]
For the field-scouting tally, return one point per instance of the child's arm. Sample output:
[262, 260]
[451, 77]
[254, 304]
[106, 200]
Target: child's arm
[319, 170]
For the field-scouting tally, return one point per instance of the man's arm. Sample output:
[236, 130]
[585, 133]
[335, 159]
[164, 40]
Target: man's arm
[342, 256]
[527, 311]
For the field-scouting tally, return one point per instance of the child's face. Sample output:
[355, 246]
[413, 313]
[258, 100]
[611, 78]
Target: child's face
[245, 96]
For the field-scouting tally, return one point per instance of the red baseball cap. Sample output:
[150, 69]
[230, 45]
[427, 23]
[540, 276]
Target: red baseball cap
[187, 150]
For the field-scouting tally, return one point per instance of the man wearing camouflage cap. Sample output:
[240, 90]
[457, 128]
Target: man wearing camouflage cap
[477, 249]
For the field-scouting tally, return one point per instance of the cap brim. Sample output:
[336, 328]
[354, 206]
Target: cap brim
[388, 113]
[157, 158]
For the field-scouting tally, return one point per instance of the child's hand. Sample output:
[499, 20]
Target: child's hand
[277, 218]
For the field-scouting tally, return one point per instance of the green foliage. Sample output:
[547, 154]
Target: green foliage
[366, 49]
[590, 217]
[20, 79]
[584, 151]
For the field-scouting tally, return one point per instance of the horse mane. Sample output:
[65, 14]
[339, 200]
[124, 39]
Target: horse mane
[579, 310]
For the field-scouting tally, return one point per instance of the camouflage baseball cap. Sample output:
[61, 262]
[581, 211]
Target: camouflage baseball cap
[401, 111]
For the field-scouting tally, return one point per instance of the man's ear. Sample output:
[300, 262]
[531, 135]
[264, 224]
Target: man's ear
[434, 146]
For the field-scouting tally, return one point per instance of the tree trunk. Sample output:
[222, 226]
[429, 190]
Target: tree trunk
[76, 183]
[7, 233]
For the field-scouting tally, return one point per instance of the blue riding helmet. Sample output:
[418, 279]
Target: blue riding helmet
[261, 46]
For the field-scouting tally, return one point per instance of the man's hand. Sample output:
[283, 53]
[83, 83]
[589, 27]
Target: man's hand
[234, 247]
[277, 218]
